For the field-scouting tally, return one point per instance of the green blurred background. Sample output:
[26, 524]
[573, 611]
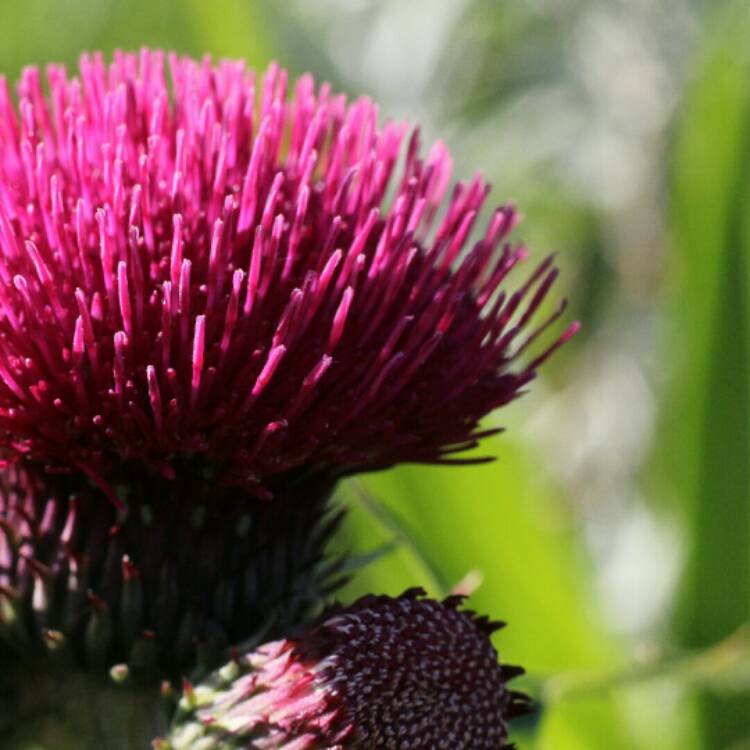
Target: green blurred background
[612, 534]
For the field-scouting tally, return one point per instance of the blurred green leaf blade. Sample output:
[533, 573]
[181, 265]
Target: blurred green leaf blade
[711, 425]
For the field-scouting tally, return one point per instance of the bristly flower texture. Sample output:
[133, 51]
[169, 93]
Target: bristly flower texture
[404, 673]
[214, 274]
[216, 299]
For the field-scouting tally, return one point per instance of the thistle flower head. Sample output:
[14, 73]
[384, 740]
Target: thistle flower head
[406, 673]
[213, 273]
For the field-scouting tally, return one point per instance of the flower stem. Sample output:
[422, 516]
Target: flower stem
[725, 665]
[77, 711]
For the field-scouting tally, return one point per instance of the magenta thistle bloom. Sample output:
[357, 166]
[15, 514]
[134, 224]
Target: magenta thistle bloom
[215, 275]
[405, 673]
[213, 294]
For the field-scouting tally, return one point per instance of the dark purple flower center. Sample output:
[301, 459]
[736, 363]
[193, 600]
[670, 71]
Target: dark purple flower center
[414, 673]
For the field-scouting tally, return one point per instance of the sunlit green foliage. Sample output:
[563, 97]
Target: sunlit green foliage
[711, 219]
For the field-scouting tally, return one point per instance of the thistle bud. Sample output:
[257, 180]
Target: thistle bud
[407, 673]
